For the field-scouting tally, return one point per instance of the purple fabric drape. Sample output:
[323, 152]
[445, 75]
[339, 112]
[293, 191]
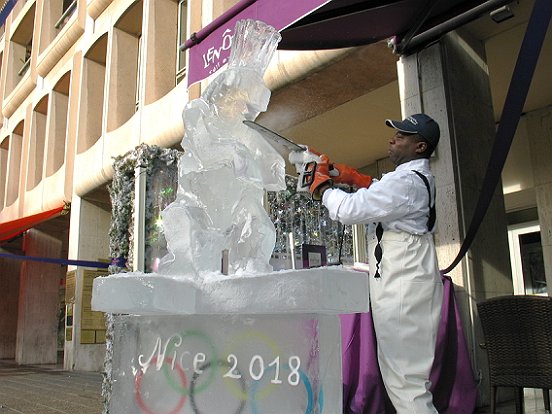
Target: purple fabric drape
[453, 385]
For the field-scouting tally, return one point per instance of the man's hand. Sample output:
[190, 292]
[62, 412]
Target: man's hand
[350, 176]
[321, 180]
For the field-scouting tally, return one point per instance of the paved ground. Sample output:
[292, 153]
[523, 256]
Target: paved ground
[533, 405]
[47, 389]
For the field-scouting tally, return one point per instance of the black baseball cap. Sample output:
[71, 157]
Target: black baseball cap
[420, 124]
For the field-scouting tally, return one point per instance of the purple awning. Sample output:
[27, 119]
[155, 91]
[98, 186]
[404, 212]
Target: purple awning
[210, 47]
[322, 24]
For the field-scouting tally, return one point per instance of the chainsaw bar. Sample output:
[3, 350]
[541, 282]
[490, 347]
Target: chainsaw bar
[273, 136]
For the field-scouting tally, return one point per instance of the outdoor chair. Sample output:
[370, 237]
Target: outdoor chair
[518, 340]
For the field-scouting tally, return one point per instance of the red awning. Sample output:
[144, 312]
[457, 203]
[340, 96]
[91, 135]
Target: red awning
[13, 228]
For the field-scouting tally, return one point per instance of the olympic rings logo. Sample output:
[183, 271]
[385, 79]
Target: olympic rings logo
[205, 366]
[138, 389]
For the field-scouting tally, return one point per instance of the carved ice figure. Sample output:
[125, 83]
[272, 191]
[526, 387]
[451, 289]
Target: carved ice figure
[225, 168]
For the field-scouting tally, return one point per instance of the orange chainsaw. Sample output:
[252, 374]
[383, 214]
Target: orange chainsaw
[302, 157]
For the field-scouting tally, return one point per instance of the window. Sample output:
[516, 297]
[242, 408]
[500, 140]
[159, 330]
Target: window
[125, 93]
[20, 44]
[57, 125]
[302, 223]
[15, 145]
[4, 150]
[27, 59]
[182, 35]
[138, 94]
[37, 143]
[92, 98]
[526, 259]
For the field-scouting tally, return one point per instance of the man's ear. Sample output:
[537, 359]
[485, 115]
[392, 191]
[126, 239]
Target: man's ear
[421, 147]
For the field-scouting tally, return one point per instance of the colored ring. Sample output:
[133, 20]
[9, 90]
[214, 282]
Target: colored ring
[210, 378]
[308, 388]
[219, 363]
[138, 386]
[271, 344]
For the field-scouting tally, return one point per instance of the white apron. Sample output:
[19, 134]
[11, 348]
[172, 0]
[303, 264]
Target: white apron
[406, 307]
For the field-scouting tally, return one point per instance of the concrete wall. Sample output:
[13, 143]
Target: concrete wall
[517, 179]
[37, 323]
[9, 286]
[539, 124]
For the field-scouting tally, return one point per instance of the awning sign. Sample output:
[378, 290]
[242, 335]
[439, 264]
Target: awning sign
[210, 47]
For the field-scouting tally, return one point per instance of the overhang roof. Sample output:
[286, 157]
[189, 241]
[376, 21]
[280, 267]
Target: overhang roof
[347, 23]
[331, 24]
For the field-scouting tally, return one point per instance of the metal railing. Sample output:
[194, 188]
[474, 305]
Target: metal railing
[66, 14]
[25, 67]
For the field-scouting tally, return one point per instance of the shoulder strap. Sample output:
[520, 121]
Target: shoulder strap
[432, 214]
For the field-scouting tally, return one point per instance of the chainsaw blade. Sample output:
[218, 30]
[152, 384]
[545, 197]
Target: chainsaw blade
[274, 137]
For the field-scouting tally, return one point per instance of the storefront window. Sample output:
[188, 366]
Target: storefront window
[527, 259]
[532, 263]
[161, 191]
[303, 225]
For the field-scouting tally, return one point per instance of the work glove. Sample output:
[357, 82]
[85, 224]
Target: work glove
[349, 176]
[321, 179]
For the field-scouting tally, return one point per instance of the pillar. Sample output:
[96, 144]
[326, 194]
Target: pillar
[38, 307]
[449, 81]
[85, 330]
[539, 124]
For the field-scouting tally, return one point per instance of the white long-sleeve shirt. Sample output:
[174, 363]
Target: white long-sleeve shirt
[399, 200]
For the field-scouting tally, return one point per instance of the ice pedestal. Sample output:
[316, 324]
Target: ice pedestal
[267, 343]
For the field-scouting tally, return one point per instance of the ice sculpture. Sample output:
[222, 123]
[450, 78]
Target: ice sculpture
[225, 168]
[191, 340]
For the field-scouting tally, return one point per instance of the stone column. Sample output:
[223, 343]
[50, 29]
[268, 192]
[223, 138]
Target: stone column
[88, 240]
[539, 125]
[37, 322]
[449, 81]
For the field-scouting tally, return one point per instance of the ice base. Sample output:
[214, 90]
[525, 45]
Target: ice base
[264, 343]
[227, 364]
[326, 290]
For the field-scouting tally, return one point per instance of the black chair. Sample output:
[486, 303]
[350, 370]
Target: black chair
[518, 340]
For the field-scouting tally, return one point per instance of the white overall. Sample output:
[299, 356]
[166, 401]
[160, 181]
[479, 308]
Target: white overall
[406, 299]
[408, 290]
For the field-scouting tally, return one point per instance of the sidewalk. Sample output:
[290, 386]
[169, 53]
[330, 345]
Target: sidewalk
[47, 389]
[533, 404]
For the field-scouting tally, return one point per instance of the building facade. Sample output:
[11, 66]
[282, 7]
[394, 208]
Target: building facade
[85, 81]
